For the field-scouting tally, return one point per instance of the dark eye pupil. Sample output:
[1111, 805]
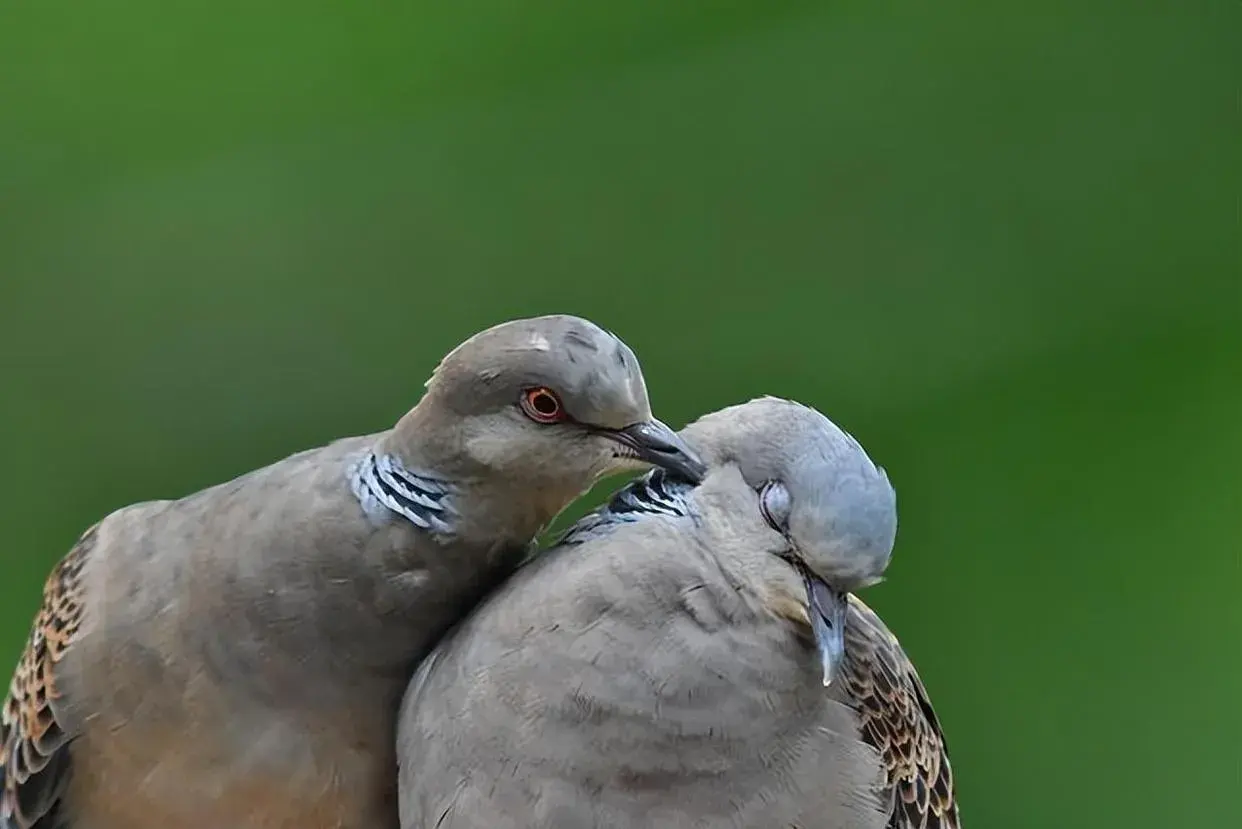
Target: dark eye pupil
[544, 403]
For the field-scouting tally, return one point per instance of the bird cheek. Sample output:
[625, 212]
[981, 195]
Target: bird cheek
[785, 606]
[785, 597]
[611, 460]
[494, 451]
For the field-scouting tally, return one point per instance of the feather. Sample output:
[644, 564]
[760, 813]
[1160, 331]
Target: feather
[34, 747]
[899, 723]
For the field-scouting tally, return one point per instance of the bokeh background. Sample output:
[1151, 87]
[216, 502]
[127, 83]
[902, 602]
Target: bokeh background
[998, 242]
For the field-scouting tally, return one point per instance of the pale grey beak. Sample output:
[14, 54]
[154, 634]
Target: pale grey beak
[655, 443]
[827, 609]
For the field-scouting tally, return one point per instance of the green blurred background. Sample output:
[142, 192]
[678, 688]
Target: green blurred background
[999, 244]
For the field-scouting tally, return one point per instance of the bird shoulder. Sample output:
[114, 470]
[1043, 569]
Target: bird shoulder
[898, 722]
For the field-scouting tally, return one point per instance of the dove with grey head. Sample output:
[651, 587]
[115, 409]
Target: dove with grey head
[665, 663]
[236, 657]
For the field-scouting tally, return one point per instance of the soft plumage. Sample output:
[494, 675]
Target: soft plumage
[33, 771]
[659, 666]
[898, 722]
[235, 658]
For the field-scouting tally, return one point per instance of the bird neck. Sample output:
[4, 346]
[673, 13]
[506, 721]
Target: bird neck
[417, 471]
[424, 438]
[510, 514]
[653, 494]
[385, 485]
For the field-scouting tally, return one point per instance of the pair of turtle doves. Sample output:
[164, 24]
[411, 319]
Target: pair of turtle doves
[356, 637]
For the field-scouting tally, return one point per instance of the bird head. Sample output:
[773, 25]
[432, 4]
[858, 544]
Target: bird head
[555, 401]
[833, 508]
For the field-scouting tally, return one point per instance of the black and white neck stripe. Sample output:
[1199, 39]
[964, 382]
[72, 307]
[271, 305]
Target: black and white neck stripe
[381, 482]
[655, 493]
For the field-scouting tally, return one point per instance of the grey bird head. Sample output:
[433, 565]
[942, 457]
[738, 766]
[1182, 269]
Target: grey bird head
[818, 488]
[550, 399]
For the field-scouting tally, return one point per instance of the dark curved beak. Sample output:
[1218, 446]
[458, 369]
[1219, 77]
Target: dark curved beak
[827, 608]
[655, 443]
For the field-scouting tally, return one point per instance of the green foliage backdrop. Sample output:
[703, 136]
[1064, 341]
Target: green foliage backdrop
[997, 242]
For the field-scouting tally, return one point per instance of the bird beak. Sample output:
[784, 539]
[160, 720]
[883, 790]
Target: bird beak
[827, 608]
[655, 443]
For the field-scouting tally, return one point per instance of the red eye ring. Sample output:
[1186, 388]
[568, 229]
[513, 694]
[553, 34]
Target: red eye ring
[542, 405]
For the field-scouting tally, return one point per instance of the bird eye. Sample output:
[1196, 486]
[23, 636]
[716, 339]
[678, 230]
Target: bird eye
[774, 504]
[542, 405]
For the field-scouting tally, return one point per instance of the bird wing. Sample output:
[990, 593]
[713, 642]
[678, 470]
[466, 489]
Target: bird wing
[34, 747]
[899, 723]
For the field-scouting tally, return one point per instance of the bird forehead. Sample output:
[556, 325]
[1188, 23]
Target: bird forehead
[593, 392]
[770, 438]
[594, 371]
[842, 503]
[609, 398]
[856, 504]
[601, 377]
